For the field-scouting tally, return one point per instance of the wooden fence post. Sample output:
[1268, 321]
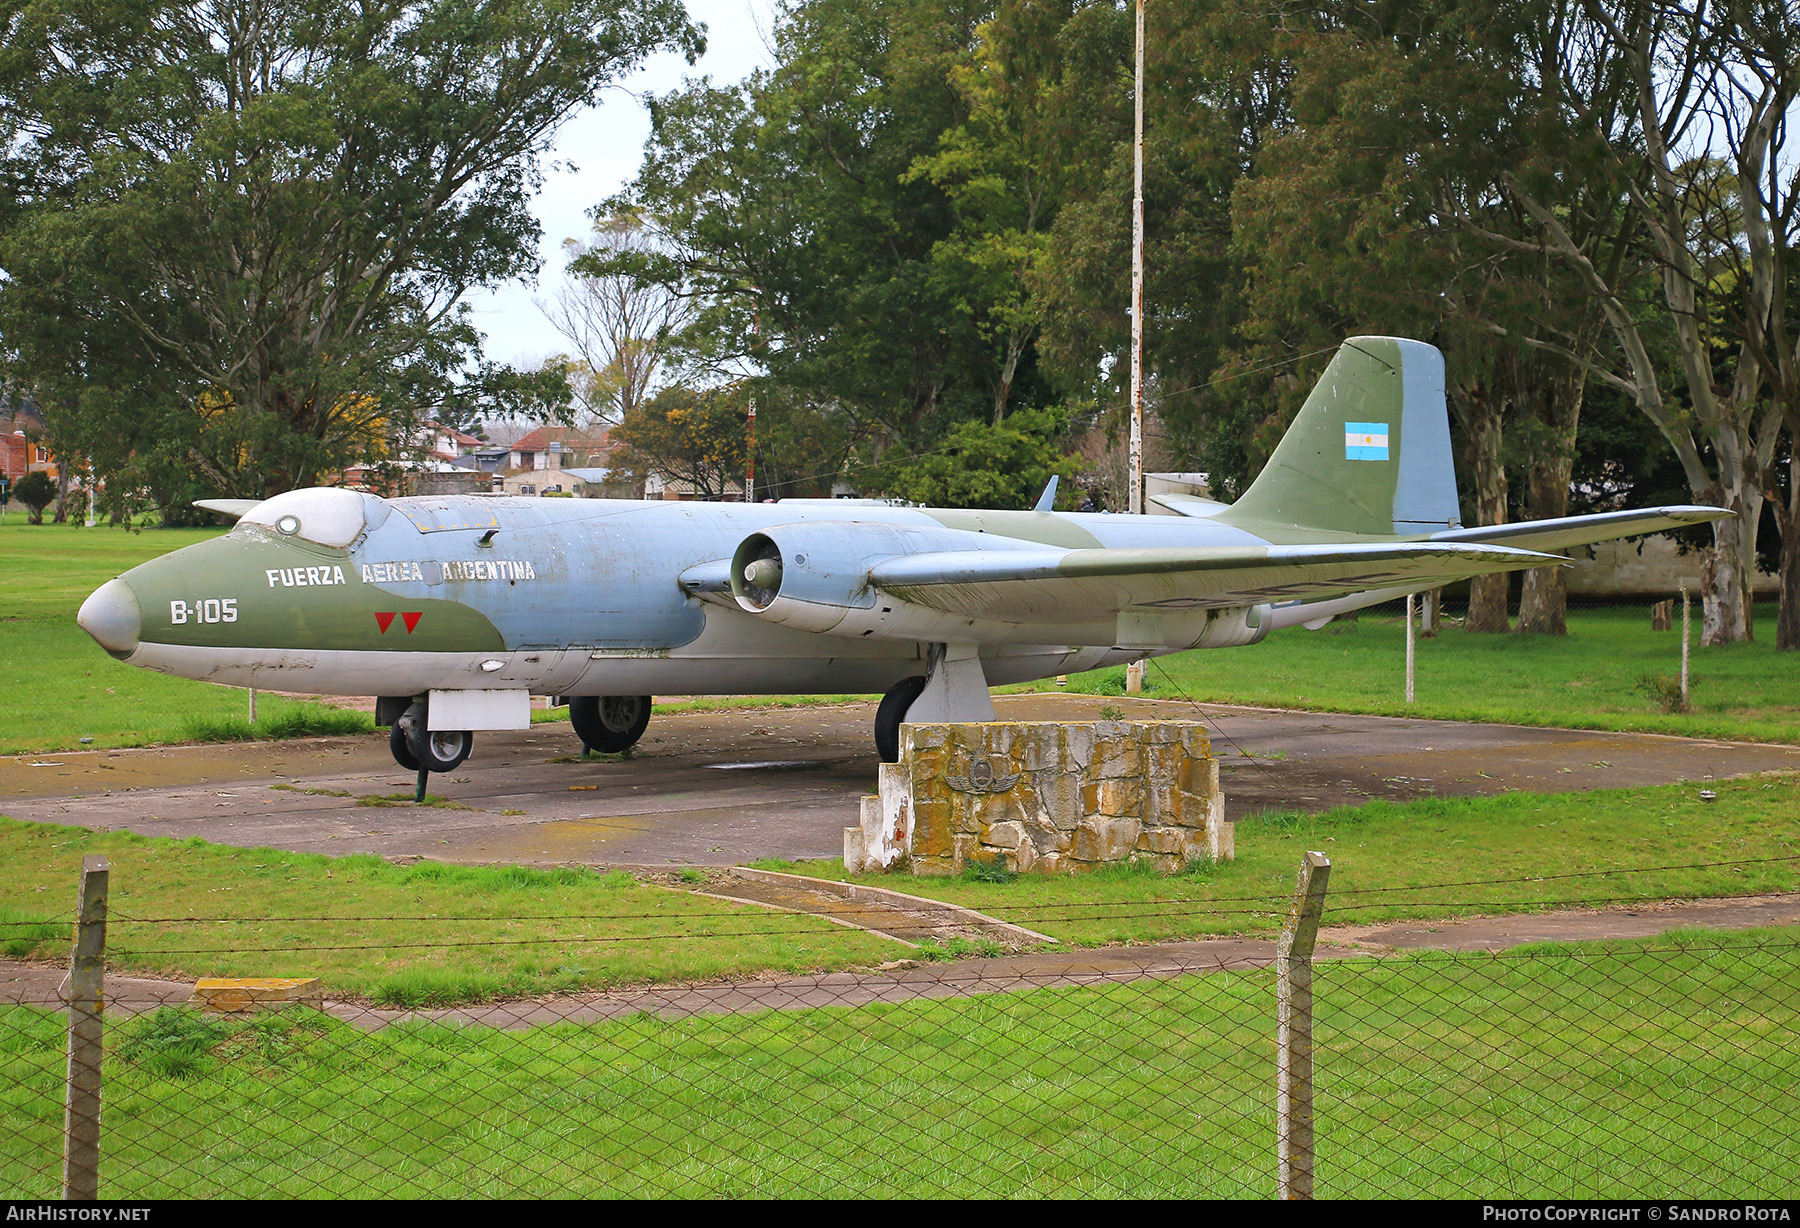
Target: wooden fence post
[1685, 634]
[87, 1003]
[1294, 1031]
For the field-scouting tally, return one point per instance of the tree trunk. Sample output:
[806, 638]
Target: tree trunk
[1724, 619]
[1543, 600]
[1787, 519]
[1753, 510]
[62, 496]
[1482, 419]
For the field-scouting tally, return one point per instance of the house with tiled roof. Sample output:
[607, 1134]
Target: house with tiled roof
[560, 447]
[538, 460]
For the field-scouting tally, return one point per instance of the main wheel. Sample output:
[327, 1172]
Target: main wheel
[609, 723]
[441, 750]
[401, 749]
[891, 713]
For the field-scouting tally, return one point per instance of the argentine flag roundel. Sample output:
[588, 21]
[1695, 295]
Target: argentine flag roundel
[1366, 441]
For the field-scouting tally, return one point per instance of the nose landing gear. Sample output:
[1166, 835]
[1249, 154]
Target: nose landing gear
[418, 748]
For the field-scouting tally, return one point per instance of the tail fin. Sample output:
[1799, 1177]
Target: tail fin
[1369, 453]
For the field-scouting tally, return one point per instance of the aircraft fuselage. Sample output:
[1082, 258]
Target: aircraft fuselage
[561, 597]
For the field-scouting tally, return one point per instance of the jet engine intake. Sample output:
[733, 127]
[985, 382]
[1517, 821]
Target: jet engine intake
[756, 573]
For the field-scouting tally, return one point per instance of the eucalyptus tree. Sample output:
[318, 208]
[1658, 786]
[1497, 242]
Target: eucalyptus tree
[621, 323]
[1377, 203]
[1709, 86]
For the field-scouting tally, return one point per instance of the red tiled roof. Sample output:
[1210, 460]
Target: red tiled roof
[572, 440]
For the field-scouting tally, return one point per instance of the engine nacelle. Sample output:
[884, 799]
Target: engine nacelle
[1235, 627]
[814, 577]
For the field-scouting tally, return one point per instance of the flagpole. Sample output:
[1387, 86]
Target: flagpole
[1134, 673]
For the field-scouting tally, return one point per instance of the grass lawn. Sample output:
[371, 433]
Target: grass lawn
[1592, 679]
[57, 686]
[1659, 1069]
[399, 935]
[423, 933]
[1392, 860]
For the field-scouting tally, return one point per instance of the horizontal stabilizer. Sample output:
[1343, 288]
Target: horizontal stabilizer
[1057, 586]
[1189, 505]
[1566, 531]
[234, 508]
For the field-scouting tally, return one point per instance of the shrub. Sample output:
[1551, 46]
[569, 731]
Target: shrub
[35, 490]
[1665, 692]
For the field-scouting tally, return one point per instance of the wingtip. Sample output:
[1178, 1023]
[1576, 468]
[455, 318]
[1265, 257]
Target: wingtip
[1697, 513]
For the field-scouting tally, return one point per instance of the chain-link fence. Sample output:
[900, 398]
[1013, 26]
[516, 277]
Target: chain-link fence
[967, 1084]
[1629, 1072]
[1655, 1068]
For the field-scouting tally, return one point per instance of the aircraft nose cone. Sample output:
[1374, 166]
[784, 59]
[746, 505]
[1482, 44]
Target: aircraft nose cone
[112, 617]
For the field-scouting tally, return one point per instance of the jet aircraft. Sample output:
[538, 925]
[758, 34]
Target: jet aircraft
[453, 611]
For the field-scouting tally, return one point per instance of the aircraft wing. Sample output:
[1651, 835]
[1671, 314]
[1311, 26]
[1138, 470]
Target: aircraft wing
[1566, 531]
[1067, 585]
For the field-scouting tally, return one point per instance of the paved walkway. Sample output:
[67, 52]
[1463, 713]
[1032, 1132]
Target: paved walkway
[909, 980]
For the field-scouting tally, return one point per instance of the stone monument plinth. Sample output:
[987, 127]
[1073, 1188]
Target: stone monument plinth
[1044, 798]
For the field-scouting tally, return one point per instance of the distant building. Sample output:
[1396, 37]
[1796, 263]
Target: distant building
[408, 477]
[660, 486]
[1649, 567]
[560, 447]
[22, 447]
[599, 483]
[537, 462]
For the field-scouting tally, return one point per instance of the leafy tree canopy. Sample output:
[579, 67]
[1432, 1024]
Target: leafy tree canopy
[688, 437]
[983, 465]
[238, 232]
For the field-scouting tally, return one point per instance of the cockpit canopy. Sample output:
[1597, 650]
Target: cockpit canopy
[325, 516]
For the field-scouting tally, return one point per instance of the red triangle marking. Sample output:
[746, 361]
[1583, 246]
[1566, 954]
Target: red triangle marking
[412, 620]
[384, 621]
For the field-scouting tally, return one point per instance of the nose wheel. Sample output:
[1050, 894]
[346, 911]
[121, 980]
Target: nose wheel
[442, 750]
[419, 749]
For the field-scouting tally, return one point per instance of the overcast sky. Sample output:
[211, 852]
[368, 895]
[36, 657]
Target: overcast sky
[606, 145]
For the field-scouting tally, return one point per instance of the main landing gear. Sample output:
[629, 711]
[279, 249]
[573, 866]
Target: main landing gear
[609, 724]
[891, 712]
[953, 689]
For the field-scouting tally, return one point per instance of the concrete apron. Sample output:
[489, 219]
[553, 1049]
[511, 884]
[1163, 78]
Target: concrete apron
[728, 787]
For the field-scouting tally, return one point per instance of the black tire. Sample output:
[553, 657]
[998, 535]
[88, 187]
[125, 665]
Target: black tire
[401, 749]
[891, 714]
[441, 750]
[609, 724]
